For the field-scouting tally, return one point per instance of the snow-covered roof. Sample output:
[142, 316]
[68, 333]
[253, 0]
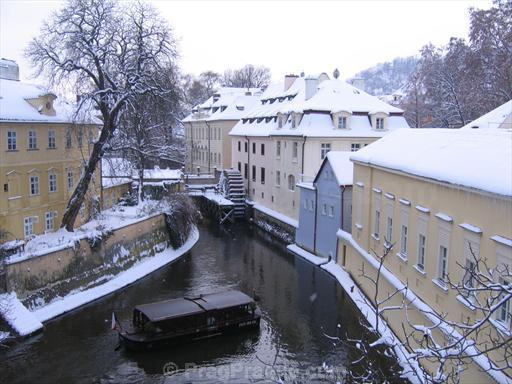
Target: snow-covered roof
[14, 105]
[331, 96]
[480, 159]
[500, 117]
[116, 167]
[341, 165]
[227, 103]
[160, 174]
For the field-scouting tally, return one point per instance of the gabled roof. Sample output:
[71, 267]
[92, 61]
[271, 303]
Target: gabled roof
[500, 118]
[479, 159]
[15, 107]
[341, 166]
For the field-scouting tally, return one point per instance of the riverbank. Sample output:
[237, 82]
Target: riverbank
[366, 308]
[26, 322]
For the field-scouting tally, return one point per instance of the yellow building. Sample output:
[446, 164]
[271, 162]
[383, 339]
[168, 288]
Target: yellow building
[207, 128]
[438, 196]
[42, 149]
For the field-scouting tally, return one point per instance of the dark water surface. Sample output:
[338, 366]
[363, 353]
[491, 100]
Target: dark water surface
[299, 303]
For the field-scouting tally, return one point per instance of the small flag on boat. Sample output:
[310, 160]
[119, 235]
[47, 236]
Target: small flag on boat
[115, 323]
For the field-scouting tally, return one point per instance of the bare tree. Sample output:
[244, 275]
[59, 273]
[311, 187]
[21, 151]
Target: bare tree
[108, 51]
[249, 76]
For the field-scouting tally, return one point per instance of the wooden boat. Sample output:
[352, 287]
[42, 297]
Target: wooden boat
[170, 322]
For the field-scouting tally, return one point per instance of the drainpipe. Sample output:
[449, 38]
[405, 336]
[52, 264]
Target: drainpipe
[316, 214]
[191, 148]
[303, 145]
[342, 187]
[248, 165]
[209, 149]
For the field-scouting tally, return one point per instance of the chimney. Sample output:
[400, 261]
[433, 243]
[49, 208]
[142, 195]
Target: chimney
[311, 86]
[358, 83]
[9, 70]
[288, 81]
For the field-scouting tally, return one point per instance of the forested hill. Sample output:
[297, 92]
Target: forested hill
[385, 78]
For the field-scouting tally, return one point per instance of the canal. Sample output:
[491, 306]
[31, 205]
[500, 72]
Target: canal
[300, 304]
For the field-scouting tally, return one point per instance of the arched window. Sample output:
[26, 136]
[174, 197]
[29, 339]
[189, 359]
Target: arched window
[291, 182]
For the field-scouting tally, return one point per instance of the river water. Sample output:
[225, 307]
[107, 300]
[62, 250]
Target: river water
[301, 304]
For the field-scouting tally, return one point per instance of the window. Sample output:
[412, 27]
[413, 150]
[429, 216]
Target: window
[50, 221]
[342, 122]
[324, 209]
[291, 182]
[403, 240]
[28, 225]
[468, 280]
[324, 149]
[389, 232]
[32, 139]
[239, 146]
[331, 211]
[51, 139]
[52, 182]
[80, 137]
[278, 148]
[355, 147]
[34, 185]
[11, 141]
[253, 173]
[245, 170]
[421, 251]
[293, 120]
[254, 148]
[246, 145]
[379, 123]
[262, 149]
[70, 180]
[311, 205]
[504, 313]
[240, 167]
[279, 121]
[295, 150]
[278, 178]
[69, 142]
[376, 224]
[442, 274]
[262, 175]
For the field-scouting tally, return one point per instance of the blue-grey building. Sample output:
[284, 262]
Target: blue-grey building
[326, 205]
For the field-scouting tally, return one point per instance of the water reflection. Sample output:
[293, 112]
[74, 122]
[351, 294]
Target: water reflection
[298, 301]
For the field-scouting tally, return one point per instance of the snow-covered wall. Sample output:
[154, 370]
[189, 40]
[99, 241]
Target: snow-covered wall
[37, 280]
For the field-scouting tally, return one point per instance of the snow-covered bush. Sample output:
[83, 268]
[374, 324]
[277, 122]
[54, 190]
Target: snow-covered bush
[181, 215]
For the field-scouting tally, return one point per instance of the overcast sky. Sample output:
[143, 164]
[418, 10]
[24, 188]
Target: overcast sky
[286, 36]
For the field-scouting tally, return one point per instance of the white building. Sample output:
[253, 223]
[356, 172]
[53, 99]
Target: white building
[285, 137]
[207, 128]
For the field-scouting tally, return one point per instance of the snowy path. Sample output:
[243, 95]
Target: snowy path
[26, 322]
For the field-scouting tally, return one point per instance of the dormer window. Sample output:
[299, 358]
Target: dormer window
[293, 120]
[223, 108]
[379, 123]
[280, 120]
[342, 122]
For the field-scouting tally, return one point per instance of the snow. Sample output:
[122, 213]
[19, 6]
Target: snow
[160, 174]
[213, 196]
[503, 240]
[390, 196]
[116, 167]
[111, 219]
[500, 117]
[444, 216]
[471, 228]
[332, 96]
[123, 279]
[309, 186]
[276, 215]
[367, 310]
[424, 308]
[15, 107]
[18, 316]
[404, 202]
[422, 209]
[342, 167]
[452, 156]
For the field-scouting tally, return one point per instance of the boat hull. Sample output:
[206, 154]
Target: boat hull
[140, 342]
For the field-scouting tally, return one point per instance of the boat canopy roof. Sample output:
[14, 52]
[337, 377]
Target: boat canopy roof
[191, 305]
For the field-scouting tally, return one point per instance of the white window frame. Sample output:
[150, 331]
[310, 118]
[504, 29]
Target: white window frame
[70, 180]
[295, 151]
[354, 147]
[52, 182]
[12, 141]
[325, 148]
[504, 312]
[379, 123]
[50, 221]
[422, 250]
[331, 211]
[34, 185]
[291, 183]
[28, 225]
[342, 122]
[278, 178]
[442, 267]
[52, 139]
[32, 139]
[278, 149]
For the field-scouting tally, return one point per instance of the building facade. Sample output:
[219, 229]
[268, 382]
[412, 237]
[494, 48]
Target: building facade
[326, 206]
[42, 150]
[438, 217]
[208, 145]
[286, 136]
